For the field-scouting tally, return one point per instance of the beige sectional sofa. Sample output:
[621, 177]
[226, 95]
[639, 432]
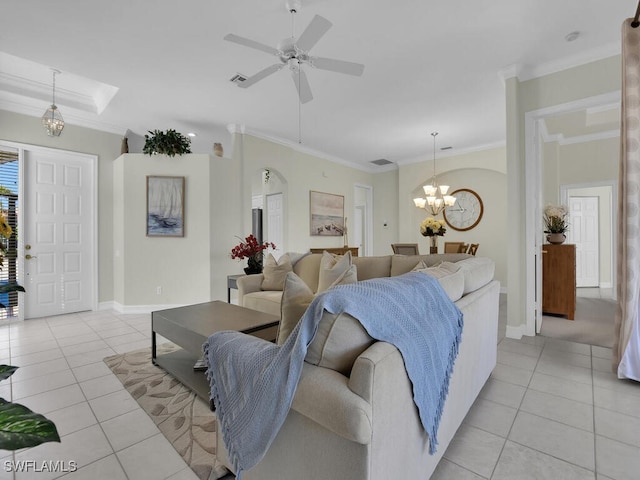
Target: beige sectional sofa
[353, 414]
[251, 295]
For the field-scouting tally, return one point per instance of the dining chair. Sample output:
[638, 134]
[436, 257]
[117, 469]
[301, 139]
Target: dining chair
[473, 248]
[405, 248]
[452, 247]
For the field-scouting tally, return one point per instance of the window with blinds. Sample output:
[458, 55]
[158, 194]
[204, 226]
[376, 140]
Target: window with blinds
[9, 246]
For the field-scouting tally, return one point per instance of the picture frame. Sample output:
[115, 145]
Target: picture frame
[326, 214]
[165, 206]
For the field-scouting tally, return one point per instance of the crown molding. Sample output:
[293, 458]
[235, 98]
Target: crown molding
[455, 153]
[244, 130]
[69, 116]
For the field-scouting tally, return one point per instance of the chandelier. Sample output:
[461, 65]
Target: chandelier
[52, 118]
[436, 195]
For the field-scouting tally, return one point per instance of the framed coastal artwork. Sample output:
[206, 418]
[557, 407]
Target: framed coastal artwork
[326, 211]
[165, 206]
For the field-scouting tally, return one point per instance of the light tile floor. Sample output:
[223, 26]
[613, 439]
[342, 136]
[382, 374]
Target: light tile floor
[551, 410]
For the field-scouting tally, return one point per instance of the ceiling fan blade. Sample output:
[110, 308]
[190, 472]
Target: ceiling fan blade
[339, 66]
[314, 32]
[302, 85]
[260, 75]
[251, 44]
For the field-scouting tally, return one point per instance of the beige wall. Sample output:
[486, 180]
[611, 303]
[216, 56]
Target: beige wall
[106, 146]
[574, 84]
[179, 266]
[483, 172]
[300, 172]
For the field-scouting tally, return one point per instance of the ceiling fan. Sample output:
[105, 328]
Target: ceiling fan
[295, 54]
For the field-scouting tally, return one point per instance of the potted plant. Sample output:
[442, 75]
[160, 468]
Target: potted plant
[19, 426]
[253, 252]
[555, 223]
[169, 143]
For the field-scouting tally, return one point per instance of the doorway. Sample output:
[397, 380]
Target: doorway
[536, 134]
[57, 246]
[362, 235]
[598, 213]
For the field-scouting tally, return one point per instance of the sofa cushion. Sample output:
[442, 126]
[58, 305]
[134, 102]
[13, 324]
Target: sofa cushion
[296, 297]
[477, 271]
[274, 272]
[373, 267]
[332, 267]
[451, 282]
[263, 301]
[340, 339]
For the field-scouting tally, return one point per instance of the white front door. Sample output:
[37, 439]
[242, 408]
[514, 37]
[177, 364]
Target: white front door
[583, 231]
[275, 223]
[58, 232]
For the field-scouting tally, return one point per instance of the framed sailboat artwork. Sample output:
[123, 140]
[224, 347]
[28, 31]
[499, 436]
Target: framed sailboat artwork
[165, 206]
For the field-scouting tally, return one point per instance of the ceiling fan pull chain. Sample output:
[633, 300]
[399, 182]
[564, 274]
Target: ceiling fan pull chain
[299, 112]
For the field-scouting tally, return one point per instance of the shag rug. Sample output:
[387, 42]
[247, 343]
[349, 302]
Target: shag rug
[183, 418]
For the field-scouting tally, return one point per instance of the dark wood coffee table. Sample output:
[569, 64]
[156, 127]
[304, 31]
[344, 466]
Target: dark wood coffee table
[190, 326]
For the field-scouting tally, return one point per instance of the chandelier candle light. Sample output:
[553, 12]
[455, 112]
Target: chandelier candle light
[52, 118]
[436, 195]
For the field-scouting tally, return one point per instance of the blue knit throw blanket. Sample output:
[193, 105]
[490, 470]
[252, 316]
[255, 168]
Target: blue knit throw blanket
[253, 382]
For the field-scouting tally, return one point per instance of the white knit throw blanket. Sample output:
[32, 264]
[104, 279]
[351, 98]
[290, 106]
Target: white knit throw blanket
[253, 381]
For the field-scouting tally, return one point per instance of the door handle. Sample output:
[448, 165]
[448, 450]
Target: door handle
[29, 257]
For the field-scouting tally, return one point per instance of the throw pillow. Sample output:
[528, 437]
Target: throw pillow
[296, 297]
[331, 268]
[451, 283]
[274, 272]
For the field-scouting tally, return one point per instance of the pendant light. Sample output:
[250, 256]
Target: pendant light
[52, 118]
[436, 195]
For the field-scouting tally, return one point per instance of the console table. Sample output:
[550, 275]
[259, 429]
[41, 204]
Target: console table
[559, 279]
[337, 251]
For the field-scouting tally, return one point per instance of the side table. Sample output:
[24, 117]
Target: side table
[232, 282]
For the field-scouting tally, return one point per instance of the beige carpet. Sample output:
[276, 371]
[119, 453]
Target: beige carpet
[183, 418]
[593, 324]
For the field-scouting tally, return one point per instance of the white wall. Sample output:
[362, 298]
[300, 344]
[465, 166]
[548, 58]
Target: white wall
[483, 172]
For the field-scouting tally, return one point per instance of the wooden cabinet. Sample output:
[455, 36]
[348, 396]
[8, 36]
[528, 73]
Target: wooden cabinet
[337, 251]
[559, 280]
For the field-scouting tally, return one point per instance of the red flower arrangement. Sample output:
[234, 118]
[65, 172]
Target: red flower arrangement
[251, 249]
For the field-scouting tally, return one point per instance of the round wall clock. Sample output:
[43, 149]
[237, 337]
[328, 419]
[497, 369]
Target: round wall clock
[467, 211]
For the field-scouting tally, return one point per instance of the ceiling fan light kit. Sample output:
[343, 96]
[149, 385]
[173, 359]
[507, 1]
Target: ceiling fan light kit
[295, 54]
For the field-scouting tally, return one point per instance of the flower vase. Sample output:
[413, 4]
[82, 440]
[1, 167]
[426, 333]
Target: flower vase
[254, 264]
[433, 248]
[556, 238]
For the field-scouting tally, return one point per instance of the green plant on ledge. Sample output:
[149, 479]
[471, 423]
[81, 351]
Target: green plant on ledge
[169, 143]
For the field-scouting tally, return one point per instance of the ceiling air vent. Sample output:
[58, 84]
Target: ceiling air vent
[381, 161]
[238, 78]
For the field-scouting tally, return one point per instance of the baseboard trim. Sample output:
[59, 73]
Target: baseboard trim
[138, 309]
[516, 332]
